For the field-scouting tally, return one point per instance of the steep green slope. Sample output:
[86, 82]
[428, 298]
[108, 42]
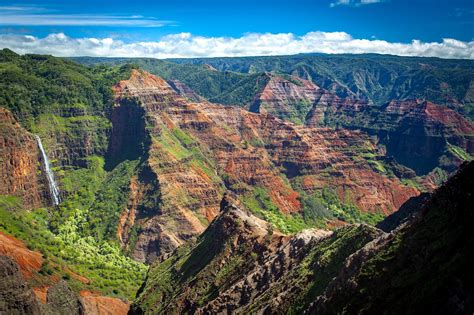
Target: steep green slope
[426, 267]
[66, 104]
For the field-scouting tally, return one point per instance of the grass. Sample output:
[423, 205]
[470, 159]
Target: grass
[258, 202]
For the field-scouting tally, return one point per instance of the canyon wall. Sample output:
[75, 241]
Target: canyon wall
[196, 151]
[20, 163]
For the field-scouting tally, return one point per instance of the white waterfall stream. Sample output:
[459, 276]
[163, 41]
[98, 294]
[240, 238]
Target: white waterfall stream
[53, 187]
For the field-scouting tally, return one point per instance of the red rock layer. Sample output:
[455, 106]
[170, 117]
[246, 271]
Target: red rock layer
[195, 147]
[286, 99]
[18, 162]
[29, 261]
[102, 305]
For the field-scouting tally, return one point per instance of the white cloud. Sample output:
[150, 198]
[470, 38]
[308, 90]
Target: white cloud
[355, 3]
[252, 44]
[9, 8]
[79, 20]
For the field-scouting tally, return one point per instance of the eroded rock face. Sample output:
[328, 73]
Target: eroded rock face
[194, 150]
[28, 261]
[103, 305]
[419, 134]
[185, 91]
[19, 162]
[62, 300]
[287, 98]
[16, 296]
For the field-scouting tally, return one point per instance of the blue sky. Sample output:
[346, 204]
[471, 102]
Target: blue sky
[129, 22]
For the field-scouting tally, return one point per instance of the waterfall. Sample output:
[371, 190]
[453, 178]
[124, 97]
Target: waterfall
[53, 188]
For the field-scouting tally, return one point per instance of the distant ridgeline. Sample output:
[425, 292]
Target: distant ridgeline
[375, 78]
[419, 110]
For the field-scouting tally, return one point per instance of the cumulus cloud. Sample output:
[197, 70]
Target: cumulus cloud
[353, 2]
[185, 45]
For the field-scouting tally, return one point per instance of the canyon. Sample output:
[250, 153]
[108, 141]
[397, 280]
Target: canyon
[191, 188]
[196, 150]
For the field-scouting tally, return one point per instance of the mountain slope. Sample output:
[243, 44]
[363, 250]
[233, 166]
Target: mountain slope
[240, 265]
[418, 134]
[423, 267]
[369, 92]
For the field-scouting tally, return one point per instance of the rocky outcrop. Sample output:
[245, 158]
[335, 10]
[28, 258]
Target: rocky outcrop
[423, 266]
[195, 149]
[19, 163]
[288, 98]
[185, 91]
[16, 296]
[62, 300]
[240, 265]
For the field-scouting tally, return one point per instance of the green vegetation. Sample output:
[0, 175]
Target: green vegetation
[109, 202]
[108, 270]
[459, 152]
[318, 209]
[258, 202]
[326, 204]
[37, 84]
[345, 209]
[80, 186]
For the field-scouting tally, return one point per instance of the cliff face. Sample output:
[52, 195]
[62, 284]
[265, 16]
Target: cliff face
[194, 150]
[288, 98]
[185, 91]
[72, 135]
[419, 134]
[19, 163]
